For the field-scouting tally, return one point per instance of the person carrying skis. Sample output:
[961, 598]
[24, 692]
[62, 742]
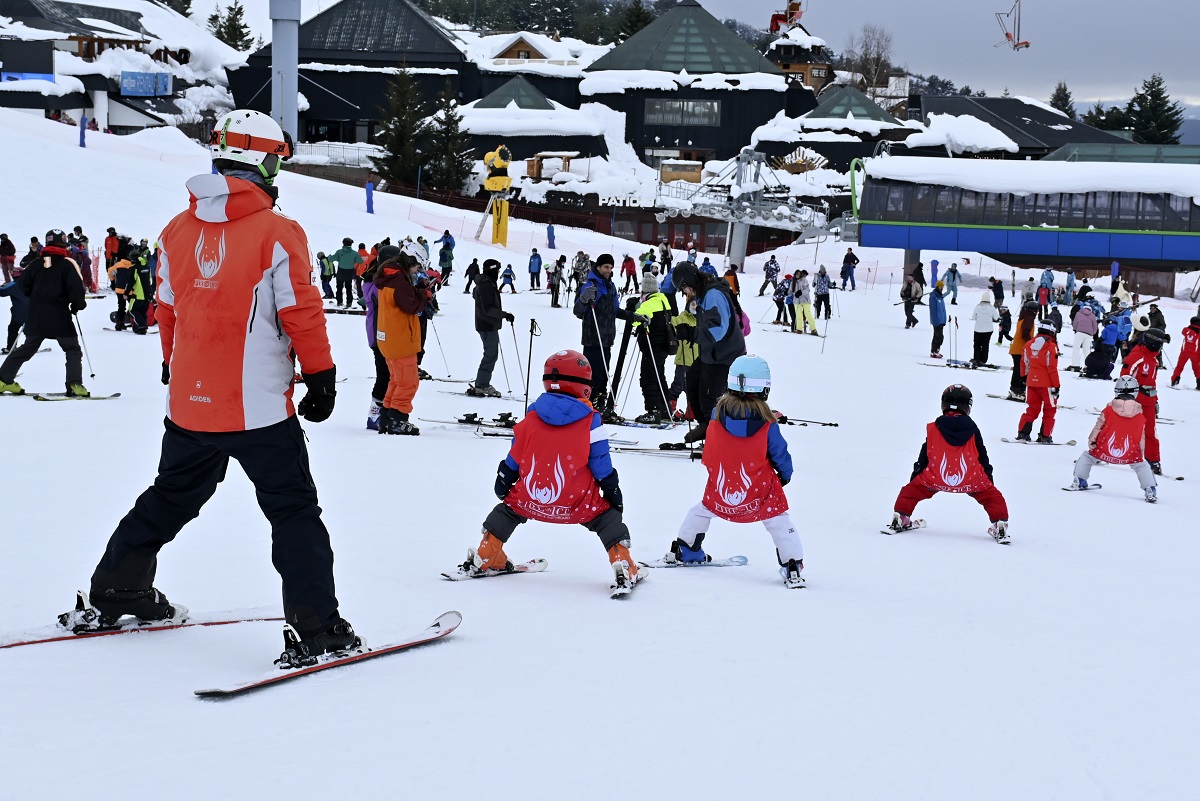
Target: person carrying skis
[985, 317]
[1039, 365]
[822, 284]
[508, 278]
[231, 319]
[598, 306]
[654, 341]
[1119, 437]
[910, 296]
[490, 317]
[849, 262]
[937, 319]
[558, 470]
[1189, 351]
[535, 270]
[748, 466]
[472, 275]
[953, 459]
[8, 257]
[400, 304]
[629, 270]
[718, 332]
[770, 276]
[1044, 292]
[951, 280]
[1142, 364]
[802, 303]
[54, 287]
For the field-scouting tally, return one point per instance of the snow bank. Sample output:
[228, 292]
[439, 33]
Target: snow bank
[1043, 106]
[168, 140]
[961, 134]
[1030, 177]
[796, 35]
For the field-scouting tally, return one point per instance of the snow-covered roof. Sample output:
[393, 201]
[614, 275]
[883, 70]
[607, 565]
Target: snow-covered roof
[796, 35]
[65, 85]
[12, 29]
[315, 67]
[512, 120]
[782, 128]
[566, 58]
[1044, 106]
[1030, 177]
[963, 134]
[618, 81]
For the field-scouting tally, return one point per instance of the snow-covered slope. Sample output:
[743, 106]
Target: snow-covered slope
[935, 665]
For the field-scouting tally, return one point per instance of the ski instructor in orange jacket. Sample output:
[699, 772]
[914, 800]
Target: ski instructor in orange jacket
[236, 308]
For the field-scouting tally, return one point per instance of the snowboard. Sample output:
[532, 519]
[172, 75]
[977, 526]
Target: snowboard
[439, 628]
[62, 396]
[1082, 489]
[730, 561]
[57, 633]
[1035, 442]
[532, 566]
[916, 524]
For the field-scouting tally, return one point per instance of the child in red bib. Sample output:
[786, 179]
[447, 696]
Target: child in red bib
[748, 465]
[1119, 437]
[953, 459]
[558, 470]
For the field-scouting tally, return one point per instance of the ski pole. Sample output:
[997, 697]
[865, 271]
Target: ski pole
[441, 350]
[534, 331]
[795, 420]
[658, 375]
[604, 359]
[825, 337]
[504, 366]
[517, 350]
[83, 342]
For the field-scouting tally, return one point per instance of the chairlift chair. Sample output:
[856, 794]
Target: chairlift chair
[1012, 35]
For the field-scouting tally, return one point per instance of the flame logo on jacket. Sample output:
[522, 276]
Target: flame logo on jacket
[733, 495]
[954, 479]
[209, 258]
[1113, 450]
[545, 494]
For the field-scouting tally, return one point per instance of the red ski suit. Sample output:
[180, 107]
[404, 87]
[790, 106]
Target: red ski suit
[1190, 352]
[1142, 364]
[1039, 365]
[953, 459]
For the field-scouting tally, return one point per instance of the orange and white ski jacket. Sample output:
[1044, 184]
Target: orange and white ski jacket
[235, 301]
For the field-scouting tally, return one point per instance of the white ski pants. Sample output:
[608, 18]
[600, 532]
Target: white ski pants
[1085, 463]
[1083, 346]
[787, 541]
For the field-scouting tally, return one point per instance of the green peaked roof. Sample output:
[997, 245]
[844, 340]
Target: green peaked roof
[839, 102]
[685, 38]
[519, 91]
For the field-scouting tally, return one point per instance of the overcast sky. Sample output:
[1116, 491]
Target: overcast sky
[1103, 49]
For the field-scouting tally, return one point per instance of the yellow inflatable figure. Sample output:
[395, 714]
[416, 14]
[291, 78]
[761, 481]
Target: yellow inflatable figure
[498, 183]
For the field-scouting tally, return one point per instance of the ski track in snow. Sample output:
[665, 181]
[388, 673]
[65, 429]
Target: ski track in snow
[933, 665]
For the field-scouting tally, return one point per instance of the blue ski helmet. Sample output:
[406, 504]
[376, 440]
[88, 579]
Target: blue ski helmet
[750, 374]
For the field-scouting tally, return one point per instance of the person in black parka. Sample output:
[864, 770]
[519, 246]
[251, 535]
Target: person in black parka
[54, 286]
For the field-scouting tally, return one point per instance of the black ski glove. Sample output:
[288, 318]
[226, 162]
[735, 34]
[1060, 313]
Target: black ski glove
[506, 477]
[611, 488]
[166, 374]
[318, 401]
[686, 333]
[783, 482]
[509, 317]
[588, 295]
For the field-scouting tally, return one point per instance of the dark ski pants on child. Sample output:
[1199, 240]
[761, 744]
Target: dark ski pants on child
[608, 525]
[191, 466]
[914, 492]
[32, 344]
[983, 345]
[1040, 402]
[345, 283]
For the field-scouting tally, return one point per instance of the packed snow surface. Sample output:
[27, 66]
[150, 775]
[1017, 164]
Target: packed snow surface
[931, 665]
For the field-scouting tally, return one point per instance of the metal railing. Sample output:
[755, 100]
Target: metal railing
[349, 154]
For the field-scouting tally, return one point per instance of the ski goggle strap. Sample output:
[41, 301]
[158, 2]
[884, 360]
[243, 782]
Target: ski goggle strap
[557, 377]
[224, 139]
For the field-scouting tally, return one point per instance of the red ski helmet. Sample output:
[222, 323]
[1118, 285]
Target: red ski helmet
[568, 372]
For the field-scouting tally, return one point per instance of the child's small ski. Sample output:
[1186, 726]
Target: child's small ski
[482, 397]
[731, 561]
[624, 584]
[1035, 442]
[1077, 488]
[62, 396]
[1165, 420]
[915, 523]
[532, 566]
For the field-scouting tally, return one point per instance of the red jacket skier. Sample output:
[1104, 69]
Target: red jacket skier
[1039, 365]
[1142, 364]
[1189, 352]
[558, 470]
[953, 459]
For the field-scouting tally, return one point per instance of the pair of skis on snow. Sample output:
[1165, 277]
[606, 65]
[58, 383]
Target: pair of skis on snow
[1000, 536]
[443, 625]
[62, 396]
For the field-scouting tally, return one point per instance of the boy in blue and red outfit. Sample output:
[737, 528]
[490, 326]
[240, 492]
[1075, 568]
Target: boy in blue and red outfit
[558, 470]
[953, 459]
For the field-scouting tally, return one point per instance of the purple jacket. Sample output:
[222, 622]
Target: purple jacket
[371, 297]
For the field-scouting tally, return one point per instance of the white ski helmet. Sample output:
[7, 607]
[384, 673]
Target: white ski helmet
[750, 374]
[1125, 385]
[251, 138]
[416, 252]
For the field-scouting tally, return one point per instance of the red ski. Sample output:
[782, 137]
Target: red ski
[439, 628]
[56, 633]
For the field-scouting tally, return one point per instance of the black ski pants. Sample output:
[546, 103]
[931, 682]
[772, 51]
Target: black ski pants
[767, 282]
[471, 279]
[32, 344]
[652, 378]
[555, 288]
[191, 466]
[705, 383]
[983, 344]
[1017, 384]
[599, 358]
[631, 281]
[939, 336]
[607, 525]
[910, 319]
[491, 352]
[345, 283]
[822, 300]
[535, 280]
[383, 376]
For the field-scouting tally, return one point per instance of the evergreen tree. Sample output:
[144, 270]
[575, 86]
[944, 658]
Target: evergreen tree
[234, 30]
[634, 17]
[403, 133]
[1112, 119]
[449, 159]
[1154, 117]
[1061, 99]
[214, 22]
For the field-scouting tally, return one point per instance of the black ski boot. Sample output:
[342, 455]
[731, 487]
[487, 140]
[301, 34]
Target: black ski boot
[386, 416]
[401, 425]
[148, 606]
[302, 650]
[1045, 439]
[1024, 434]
